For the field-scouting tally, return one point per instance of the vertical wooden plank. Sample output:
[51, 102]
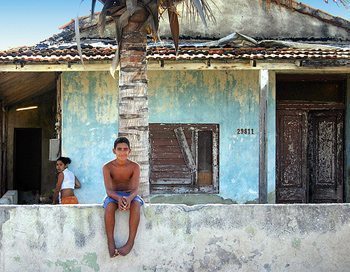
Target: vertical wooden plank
[347, 142]
[58, 124]
[3, 143]
[271, 146]
[263, 83]
[185, 149]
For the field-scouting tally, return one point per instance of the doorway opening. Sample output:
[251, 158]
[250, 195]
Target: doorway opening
[27, 164]
[310, 138]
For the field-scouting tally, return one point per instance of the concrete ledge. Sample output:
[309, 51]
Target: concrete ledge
[10, 197]
[178, 238]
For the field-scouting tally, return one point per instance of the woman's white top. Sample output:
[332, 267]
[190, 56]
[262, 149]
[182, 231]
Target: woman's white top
[68, 180]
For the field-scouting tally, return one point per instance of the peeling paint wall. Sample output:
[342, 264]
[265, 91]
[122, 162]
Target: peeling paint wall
[89, 128]
[227, 98]
[178, 238]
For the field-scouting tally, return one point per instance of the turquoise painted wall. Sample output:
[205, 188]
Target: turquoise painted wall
[89, 128]
[227, 98]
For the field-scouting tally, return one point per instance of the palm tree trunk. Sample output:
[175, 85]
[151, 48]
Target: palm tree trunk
[133, 101]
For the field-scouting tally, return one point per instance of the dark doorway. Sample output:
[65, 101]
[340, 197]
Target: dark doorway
[310, 140]
[27, 164]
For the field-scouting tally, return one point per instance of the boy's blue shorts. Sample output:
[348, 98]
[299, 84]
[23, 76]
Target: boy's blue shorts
[108, 199]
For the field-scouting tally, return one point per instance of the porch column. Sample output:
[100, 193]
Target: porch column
[263, 90]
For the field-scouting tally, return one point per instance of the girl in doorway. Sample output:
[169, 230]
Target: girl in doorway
[66, 183]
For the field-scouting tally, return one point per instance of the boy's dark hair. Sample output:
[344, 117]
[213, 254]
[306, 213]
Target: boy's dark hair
[120, 140]
[65, 160]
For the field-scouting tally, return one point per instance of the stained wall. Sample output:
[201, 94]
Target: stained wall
[178, 238]
[227, 98]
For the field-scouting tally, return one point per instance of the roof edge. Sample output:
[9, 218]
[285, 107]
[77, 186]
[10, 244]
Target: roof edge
[316, 13]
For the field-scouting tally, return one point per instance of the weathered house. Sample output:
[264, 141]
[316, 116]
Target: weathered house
[231, 118]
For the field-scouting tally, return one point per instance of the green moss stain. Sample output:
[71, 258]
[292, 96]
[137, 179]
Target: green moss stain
[191, 199]
[90, 260]
[296, 243]
[48, 263]
[250, 230]
[69, 265]
[17, 259]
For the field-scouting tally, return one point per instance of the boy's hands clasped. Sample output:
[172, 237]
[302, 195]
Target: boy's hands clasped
[124, 203]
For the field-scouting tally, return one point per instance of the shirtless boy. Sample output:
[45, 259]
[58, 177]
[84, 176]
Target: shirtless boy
[121, 178]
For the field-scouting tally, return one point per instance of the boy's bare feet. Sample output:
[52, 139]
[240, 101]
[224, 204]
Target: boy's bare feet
[113, 252]
[124, 250]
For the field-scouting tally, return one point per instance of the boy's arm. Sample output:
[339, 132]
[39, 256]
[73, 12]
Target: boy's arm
[108, 184]
[134, 186]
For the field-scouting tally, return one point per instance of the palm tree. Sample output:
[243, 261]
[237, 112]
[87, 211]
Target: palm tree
[134, 19]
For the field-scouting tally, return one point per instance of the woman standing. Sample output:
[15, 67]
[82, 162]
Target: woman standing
[66, 183]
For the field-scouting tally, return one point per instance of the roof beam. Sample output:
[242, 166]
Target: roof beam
[282, 66]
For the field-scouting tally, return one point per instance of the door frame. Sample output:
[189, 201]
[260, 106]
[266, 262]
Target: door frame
[307, 107]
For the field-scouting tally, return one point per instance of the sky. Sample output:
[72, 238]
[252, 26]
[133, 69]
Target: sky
[27, 22]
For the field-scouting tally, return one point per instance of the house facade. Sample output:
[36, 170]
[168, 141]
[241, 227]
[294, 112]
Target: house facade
[231, 119]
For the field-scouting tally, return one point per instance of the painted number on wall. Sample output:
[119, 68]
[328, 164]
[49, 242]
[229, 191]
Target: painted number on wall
[247, 131]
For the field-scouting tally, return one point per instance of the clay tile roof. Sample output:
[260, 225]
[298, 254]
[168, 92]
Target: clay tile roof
[105, 50]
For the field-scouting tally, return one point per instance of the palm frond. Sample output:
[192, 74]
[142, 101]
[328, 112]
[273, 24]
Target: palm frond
[345, 3]
[77, 35]
[174, 26]
[123, 12]
[93, 5]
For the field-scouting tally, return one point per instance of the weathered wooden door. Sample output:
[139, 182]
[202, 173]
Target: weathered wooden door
[292, 178]
[326, 151]
[309, 155]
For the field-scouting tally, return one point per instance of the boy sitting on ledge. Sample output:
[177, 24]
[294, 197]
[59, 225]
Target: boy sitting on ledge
[121, 178]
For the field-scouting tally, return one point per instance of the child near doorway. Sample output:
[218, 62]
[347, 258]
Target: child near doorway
[66, 183]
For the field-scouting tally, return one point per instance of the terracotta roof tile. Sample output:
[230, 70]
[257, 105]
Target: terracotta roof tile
[69, 53]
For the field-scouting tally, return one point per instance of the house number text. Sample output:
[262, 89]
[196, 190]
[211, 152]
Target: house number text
[247, 131]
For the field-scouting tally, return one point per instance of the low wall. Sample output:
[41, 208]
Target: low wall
[10, 197]
[178, 238]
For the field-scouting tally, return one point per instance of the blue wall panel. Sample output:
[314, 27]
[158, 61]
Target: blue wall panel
[90, 125]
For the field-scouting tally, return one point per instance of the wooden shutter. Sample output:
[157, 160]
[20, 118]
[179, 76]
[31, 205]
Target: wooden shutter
[168, 165]
[184, 158]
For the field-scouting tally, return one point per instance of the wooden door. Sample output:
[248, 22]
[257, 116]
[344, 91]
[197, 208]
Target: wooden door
[291, 175]
[326, 152]
[310, 156]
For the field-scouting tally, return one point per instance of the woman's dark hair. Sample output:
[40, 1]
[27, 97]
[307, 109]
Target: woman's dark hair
[121, 140]
[65, 160]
